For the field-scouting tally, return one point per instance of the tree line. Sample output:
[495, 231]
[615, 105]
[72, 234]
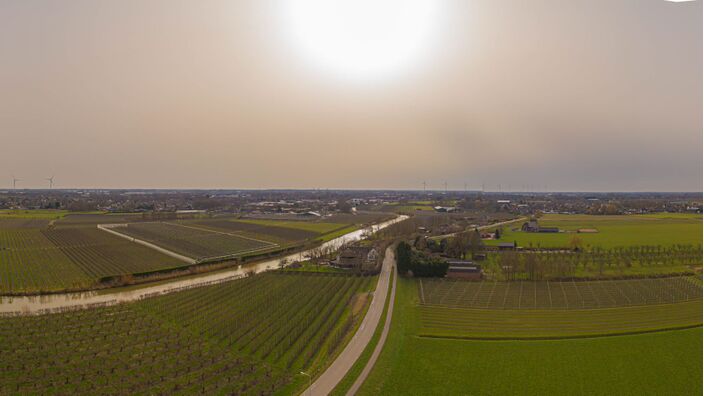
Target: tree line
[540, 265]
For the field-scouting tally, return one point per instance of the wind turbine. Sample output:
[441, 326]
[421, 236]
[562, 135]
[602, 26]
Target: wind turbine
[14, 182]
[51, 181]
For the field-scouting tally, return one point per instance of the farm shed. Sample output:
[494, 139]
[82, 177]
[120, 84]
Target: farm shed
[548, 229]
[533, 226]
[507, 245]
[464, 269]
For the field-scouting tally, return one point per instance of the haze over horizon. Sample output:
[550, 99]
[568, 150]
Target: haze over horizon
[576, 96]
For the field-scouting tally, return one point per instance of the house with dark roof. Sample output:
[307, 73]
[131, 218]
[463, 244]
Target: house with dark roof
[356, 257]
[530, 226]
[533, 226]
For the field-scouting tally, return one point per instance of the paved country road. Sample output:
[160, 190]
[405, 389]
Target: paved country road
[342, 364]
[379, 346]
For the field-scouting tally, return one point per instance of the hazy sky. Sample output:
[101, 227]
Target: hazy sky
[581, 95]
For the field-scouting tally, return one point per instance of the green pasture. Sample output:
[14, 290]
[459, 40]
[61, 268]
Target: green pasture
[408, 207]
[613, 231]
[411, 208]
[32, 214]
[666, 363]
[438, 321]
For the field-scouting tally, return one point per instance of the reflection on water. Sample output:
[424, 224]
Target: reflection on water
[67, 301]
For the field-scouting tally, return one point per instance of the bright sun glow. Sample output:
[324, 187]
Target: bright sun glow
[362, 39]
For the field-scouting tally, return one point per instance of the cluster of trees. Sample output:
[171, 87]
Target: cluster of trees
[419, 263]
[464, 245]
[604, 209]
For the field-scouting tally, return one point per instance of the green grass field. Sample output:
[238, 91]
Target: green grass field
[661, 363]
[32, 214]
[409, 208]
[509, 324]
[613, 231]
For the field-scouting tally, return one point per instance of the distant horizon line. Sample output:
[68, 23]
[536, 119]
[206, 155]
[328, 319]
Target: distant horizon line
[9, 190]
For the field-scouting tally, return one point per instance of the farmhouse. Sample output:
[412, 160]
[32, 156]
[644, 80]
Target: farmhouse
[533, 226]
[464, 269]
[356, 257]
[530, 226]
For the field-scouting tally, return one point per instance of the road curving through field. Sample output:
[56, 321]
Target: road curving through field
[329, 379]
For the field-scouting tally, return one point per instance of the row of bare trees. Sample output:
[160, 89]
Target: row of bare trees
[538, 265]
